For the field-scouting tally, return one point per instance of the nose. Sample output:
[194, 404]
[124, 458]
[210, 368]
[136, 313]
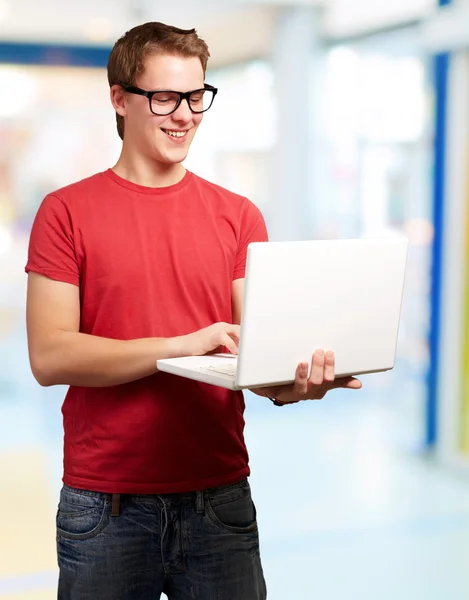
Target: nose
[183, 112]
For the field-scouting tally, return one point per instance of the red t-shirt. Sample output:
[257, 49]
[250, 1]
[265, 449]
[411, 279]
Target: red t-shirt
[150, 262]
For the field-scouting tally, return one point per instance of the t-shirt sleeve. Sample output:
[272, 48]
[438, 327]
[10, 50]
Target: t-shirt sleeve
[51, 244]
[253, 229]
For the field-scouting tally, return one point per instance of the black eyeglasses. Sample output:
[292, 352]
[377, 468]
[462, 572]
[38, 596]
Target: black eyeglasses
[165, 102]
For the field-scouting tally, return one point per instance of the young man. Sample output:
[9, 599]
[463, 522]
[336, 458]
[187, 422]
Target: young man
[144, 261]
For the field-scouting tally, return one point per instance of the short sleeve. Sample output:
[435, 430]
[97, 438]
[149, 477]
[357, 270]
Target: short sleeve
[51, 245]
[253, 229]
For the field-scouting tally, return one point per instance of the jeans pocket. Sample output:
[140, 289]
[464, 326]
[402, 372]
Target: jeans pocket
[81, 516]
[233, 509]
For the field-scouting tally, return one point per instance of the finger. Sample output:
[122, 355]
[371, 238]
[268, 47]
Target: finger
[350, 383]
[233, 331]
[229, 343]
[354, 384]
[301, 379]
[234, 336]
[329, 368]
[317, 368]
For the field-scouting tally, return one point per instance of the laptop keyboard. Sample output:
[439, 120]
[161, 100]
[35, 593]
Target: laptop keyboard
[229, 369]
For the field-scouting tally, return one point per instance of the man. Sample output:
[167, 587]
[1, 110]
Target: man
[141, 262]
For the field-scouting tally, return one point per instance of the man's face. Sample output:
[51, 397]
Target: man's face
[150, 134]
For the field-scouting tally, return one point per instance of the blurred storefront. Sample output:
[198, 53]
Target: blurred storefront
[376, 161]
[446, 35]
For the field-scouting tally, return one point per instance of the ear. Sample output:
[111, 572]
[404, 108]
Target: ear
[118, 100]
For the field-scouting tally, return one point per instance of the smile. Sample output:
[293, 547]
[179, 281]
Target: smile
[175, 133]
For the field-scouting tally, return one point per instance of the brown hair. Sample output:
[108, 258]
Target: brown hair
[128, 56]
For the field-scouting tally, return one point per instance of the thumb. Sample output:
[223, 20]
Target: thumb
[227, 341]
[350, 383]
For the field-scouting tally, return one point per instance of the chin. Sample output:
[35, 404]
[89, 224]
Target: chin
[173, 158]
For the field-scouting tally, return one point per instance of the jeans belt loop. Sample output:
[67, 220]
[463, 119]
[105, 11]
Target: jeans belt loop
[116, 505]
[200, 502]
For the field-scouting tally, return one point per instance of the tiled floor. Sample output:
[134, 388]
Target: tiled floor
[348, 505]
[345, 514]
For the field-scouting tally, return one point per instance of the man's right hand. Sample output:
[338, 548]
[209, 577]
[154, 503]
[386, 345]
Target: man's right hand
[212, 338]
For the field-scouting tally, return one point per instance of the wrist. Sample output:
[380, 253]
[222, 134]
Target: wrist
[176, 347]
[277, 402]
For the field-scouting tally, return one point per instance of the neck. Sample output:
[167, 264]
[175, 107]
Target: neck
[149, 173]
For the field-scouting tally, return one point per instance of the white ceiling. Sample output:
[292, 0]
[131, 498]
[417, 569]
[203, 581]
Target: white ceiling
[347, 17]
[234, 29]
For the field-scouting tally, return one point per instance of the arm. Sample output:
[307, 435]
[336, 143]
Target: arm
[60, 354]
[313, 381]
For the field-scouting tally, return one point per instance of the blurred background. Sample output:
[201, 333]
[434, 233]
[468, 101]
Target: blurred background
[338, 118]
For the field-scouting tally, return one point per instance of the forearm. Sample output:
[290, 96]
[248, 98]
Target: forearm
[79, 359]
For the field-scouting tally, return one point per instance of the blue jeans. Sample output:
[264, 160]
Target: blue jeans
[192, 546]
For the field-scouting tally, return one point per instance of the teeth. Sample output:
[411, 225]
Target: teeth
[176, 134]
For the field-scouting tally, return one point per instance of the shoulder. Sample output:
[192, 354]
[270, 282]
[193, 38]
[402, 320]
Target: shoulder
[210, 188]
[78, 189]
[223, 196]
[73, 202]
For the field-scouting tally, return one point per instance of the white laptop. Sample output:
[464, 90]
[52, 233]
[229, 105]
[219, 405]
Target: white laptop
[339, 295]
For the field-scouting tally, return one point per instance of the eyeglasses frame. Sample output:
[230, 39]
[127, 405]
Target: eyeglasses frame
[132, 89]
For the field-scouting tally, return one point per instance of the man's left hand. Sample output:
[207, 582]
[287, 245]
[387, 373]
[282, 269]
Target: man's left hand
[321, 380]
